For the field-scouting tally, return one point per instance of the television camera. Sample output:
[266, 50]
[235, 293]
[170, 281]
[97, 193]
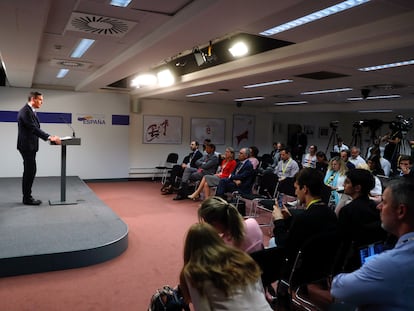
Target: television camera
[402, 124]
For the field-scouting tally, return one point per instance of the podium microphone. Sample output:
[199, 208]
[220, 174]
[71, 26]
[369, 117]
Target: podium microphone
[68, 124]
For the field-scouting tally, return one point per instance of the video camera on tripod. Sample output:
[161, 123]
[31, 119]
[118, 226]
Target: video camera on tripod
[334, 124]
[402, 124]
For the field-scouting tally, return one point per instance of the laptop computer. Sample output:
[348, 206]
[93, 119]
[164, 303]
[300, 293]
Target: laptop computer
[368, 252]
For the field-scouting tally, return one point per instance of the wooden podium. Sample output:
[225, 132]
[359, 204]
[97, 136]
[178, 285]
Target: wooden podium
[65, 141]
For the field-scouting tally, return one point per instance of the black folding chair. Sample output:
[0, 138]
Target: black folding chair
[172, 159]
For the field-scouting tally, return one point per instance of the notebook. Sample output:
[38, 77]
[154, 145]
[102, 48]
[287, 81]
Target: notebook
[367, 252]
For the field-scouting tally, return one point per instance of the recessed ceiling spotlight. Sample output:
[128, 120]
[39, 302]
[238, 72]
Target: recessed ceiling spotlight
[146, 79]
[239, 49]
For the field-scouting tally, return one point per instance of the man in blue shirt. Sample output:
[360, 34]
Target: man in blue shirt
[386, 282]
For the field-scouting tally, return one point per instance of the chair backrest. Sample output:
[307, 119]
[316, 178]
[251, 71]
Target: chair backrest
[172, 158]
[266, 160]
[315, 260]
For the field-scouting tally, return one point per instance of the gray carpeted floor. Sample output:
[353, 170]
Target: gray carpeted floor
[56, 229]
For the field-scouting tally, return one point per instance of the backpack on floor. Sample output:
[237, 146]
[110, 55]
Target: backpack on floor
[168, 299]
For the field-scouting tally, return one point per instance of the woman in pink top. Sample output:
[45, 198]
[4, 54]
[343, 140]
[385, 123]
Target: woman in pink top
[229, 223]
[228, 164]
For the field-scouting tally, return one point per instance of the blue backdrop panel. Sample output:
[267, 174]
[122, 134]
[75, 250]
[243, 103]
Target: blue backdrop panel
[120, 119]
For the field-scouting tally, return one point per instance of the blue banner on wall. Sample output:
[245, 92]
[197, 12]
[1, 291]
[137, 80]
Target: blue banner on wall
[44, 117]
[120, 119]
[8, 116]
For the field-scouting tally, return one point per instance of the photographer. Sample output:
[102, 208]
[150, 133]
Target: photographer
[397, 142]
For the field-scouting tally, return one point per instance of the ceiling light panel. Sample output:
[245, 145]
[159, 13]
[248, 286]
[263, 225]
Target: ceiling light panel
[248, 99]
[345, 5]
[386, 66]
[374, 97]
[120, 3]
[327, 91]
[267, 83]
[199, 94]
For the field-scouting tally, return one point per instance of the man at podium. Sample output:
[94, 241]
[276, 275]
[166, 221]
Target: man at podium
[29, 132]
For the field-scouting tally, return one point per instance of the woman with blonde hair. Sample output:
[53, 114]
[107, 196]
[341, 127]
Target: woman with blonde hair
[228, 164]
[244, 234]
[219, 277]
[335, 178]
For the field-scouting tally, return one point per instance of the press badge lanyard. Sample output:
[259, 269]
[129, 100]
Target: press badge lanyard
[285, 167]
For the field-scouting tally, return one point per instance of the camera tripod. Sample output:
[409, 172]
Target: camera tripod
[356, 137]
[331, 140]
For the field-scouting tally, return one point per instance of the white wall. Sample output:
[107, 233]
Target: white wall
[104, 149]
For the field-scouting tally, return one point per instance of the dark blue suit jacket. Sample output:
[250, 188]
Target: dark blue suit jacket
[29, 130]
[245, 174]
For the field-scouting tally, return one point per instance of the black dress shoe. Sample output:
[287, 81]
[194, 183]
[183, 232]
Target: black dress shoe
[178, 198]
[31, 201]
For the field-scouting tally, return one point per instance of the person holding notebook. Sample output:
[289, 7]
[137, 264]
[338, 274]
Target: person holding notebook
[386, 282]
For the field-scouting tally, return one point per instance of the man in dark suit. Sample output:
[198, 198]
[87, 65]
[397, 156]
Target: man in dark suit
[241, 178]
[29, 133]
[178, 170]
[293, 227]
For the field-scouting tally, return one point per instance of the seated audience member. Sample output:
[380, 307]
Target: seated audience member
[405, 163]
[385, 282]
[340, 146]
[321, 162]
[240, 179]
[275, 152]
[177, 170]
[309, 159]
[385, 164]
[374, 165]
[206, 142]
[334, 178]
[229, 223]
[356, 158]
[254, 152]
[211, 283]
[376, 192]
[292, 229]
[359, 221]
[227, 166]
[345, 154]
[287, 167]
[206, 165]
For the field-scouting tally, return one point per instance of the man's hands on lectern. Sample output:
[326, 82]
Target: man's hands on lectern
[55, 139]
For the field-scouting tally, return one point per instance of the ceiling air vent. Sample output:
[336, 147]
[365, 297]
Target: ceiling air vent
[70, 64]
[99, 25]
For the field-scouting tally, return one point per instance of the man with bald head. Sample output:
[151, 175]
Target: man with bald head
[386, 282]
